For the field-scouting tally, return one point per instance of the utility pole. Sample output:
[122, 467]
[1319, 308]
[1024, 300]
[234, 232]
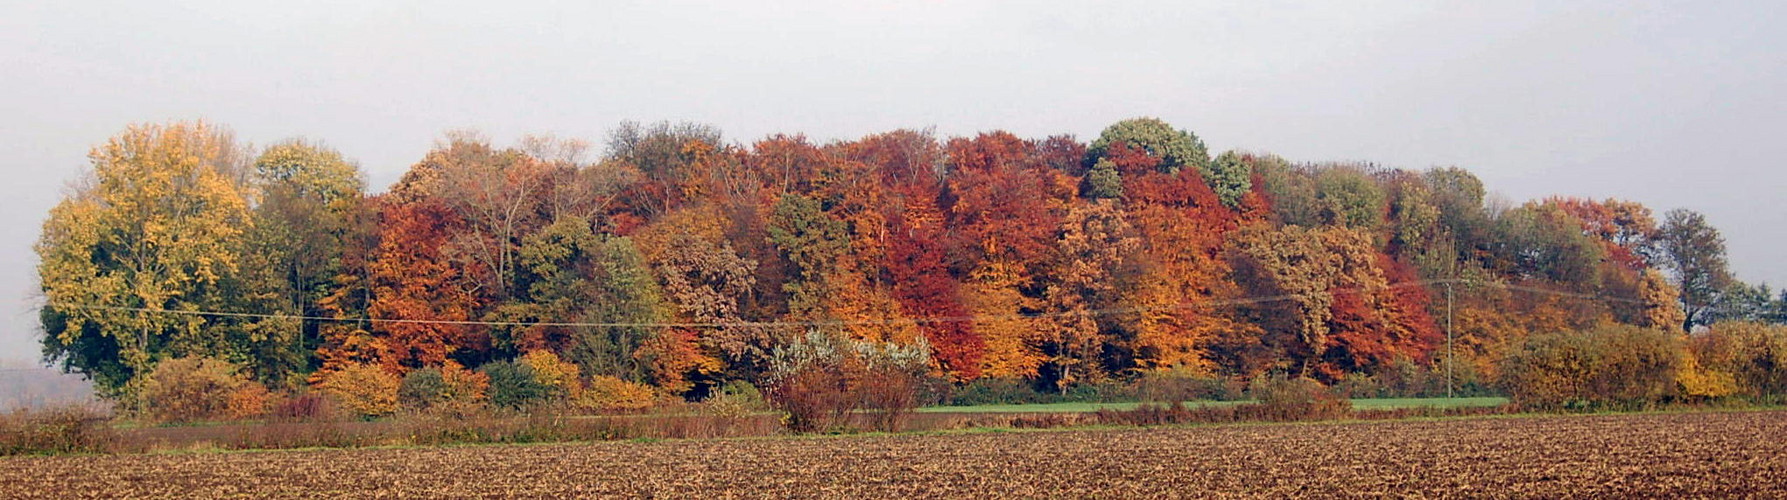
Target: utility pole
[1448, 340]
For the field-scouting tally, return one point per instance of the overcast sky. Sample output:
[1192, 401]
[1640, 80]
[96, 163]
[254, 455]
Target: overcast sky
[1673, 105]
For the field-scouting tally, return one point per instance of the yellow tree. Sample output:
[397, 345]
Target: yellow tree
[1662, 303]
[1181, 222]
[1294, 265]
[864, 311]
[1095, 243]
[153, 228]
[1013, 340]
[306, 195]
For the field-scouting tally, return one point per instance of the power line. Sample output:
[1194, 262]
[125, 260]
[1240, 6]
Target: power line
[810, 324]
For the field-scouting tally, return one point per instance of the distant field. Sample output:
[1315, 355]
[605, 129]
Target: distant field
[1729, 454]
[1363, 404]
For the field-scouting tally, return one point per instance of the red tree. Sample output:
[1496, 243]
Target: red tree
[412, 280]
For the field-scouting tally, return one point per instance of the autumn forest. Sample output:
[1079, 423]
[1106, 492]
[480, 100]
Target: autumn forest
[674, 260]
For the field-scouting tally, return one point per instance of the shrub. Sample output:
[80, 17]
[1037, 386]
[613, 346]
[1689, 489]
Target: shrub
[889, 392]
[741, 391]
[450, 387]
[366, 390]
[191, 389]
[422, 389]
[819, 381]
[1184, 386]
[69, 429]
[1608, 366]
[1405, 378]
[989, 391]
[249, 401]
[513, 386]
[303, 407]
[1700, 383]
[1103, 391]
[813, 398]
[559, 377]
[609, 394]
[465, 388]
[1754, 355]
[735, 399]
[1281, 398]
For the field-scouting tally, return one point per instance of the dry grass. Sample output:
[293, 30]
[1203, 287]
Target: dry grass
[67, 429]
[1655, 455]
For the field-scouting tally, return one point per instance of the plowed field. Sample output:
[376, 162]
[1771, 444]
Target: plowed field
[1672, 455]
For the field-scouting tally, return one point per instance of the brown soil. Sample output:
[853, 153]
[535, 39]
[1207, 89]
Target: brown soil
[1667, 455]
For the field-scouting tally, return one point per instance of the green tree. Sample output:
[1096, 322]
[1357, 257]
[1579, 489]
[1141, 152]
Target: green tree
[1459, 197]
[569, 273]
[1742, 301]
[1349, 197]
[307, 196]
[1695, 252]
[1230, 176]
[1290, 190]
[1417, 233]
[1175, 148]
[1540, 240]
[155, 228]
[1103, 181]
[814, 242]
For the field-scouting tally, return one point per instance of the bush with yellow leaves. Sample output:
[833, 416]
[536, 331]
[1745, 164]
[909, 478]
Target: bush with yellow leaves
[366, 390]
[608, 394]
[197, 388]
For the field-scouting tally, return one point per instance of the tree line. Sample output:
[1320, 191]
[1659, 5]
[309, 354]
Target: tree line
[680, 262]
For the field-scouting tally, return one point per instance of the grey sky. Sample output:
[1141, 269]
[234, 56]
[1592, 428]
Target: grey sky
[1673, 105]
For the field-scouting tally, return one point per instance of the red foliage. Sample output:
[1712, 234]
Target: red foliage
[1062, 153]
[906, 159]
[1256, 204]
[1132, 161]
[786, 164]
[1182, 215]
[1002, 209]
[925, 289]
[412, 280]
[1621, 226]
[1371, 329]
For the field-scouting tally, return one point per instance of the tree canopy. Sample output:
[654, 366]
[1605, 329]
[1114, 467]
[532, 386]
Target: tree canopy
[682, 261]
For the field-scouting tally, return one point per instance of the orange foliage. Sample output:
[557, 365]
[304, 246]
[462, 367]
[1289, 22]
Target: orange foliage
[1012, 341]
[412, 280]
[1623, 227]
[673, 357]
[367, 390]
[924, 286]
[248, 401]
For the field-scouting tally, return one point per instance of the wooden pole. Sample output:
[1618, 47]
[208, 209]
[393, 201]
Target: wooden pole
[1448, 340]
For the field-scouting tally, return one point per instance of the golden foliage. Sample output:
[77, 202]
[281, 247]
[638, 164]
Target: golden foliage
[1662, 305]
[867, 312]
[1013, 341]
[248, 401]
[673, 356]
[1700, 382]
[367, 390]
[553, 372]
[190, 389]
[609, 394]
[155, 226]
